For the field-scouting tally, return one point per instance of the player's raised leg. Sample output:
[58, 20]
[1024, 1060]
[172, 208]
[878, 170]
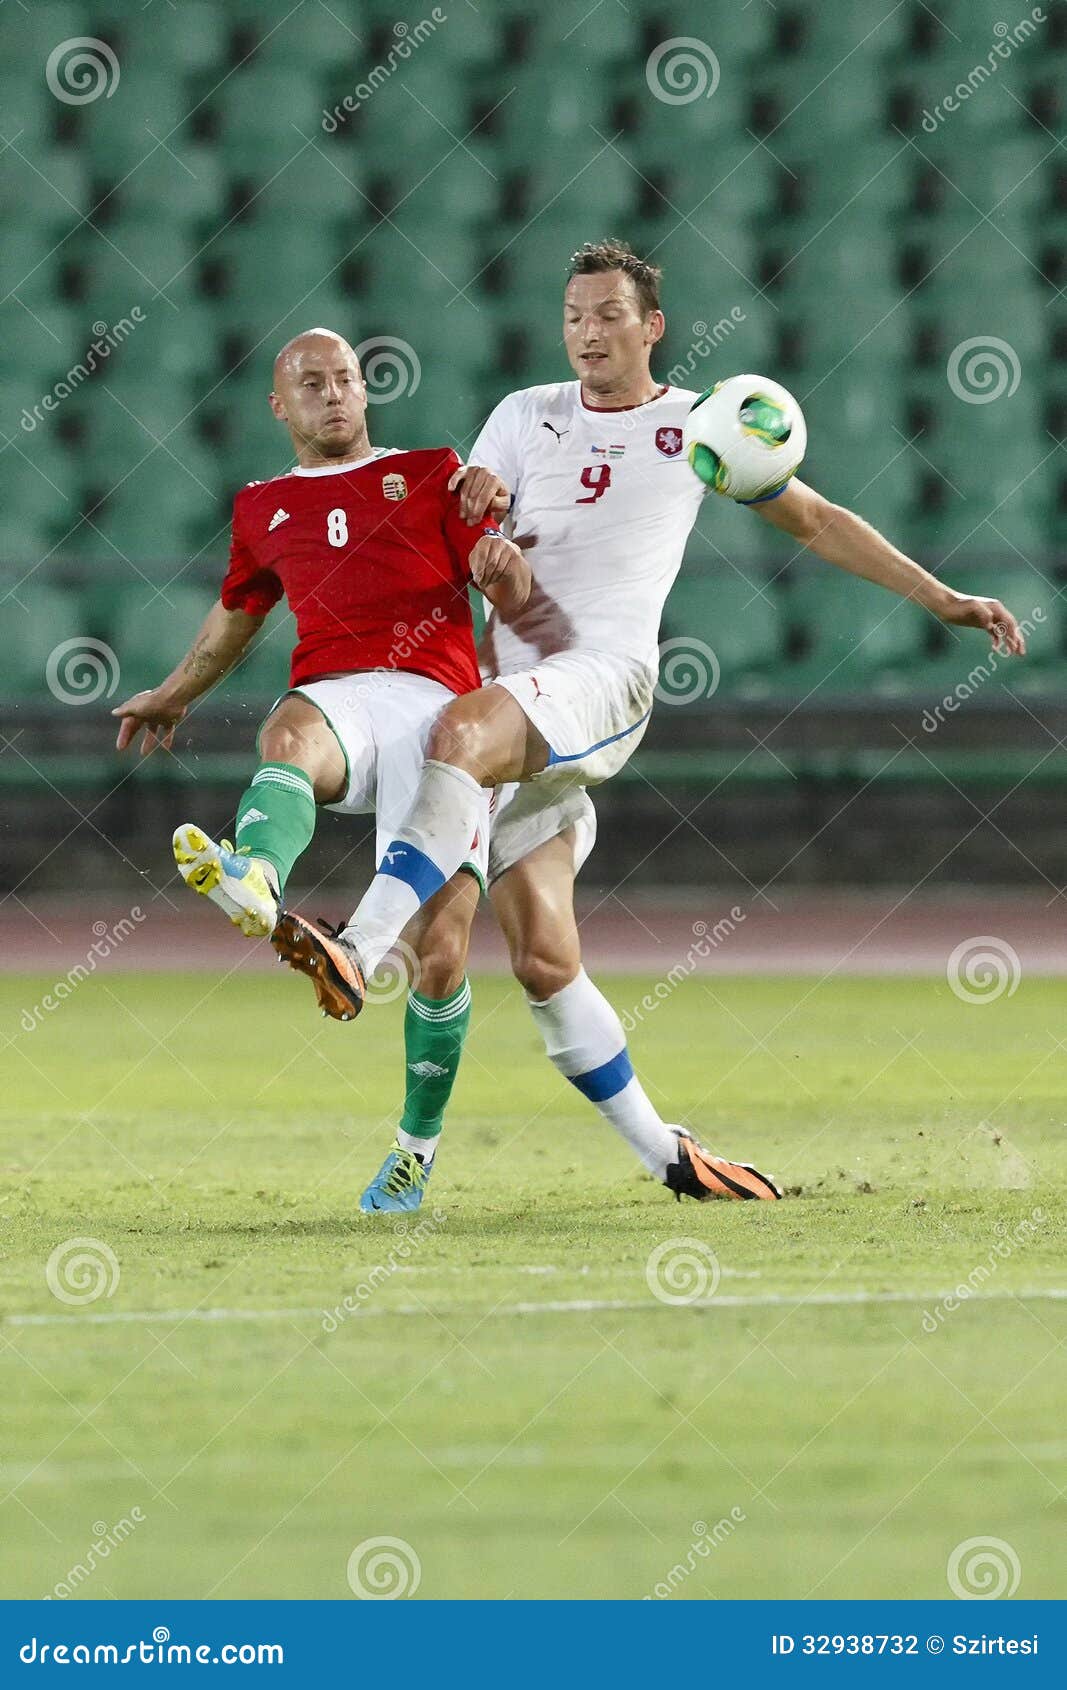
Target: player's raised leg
[435, 1028]
[477, 741]
[584, 1038]
[301, 765]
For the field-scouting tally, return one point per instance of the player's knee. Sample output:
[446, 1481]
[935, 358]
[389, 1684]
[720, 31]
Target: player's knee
[442, 964]
[542, 971]
[457, 735]
[280, 743]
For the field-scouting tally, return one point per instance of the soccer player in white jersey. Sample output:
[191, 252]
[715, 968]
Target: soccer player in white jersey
[603, 501]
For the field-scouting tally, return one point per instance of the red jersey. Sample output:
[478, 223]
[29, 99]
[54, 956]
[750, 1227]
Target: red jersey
[373, 560]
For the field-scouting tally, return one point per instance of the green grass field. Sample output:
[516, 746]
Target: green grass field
[511, 1400]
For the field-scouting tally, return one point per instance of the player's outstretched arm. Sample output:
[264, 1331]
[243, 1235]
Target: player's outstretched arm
[499, 570]
[220, 642]
[843, 538]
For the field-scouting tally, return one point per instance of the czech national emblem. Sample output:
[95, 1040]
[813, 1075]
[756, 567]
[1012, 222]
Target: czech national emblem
[669, 441]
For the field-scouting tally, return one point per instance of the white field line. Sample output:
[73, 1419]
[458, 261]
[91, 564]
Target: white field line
[579, 1305]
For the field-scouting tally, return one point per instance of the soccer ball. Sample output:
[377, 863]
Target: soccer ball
[745, 437]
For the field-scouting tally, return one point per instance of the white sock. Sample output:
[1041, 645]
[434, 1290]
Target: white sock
[584, 1039]
[424, 1148]
[429, 848]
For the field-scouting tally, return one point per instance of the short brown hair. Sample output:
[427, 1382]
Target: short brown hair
[597, 256]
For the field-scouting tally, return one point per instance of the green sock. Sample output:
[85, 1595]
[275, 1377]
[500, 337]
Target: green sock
[434, 1033]
[276, 816]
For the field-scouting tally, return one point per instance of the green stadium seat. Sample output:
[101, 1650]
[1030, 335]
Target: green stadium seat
[30, 264]
[430, 113]
[192, 37]
[310, 40]
[263, 674]
[119, 133]
[139, 262]
[734, 31]
[734, 616]
[51, 192]
[856, 637]
[37, 619]
[737, 186]
[253, 134]
[150, 628]
[808, 109]
[187, 180]
[268, 273]
[23, 543]
[833, 34]
[31, 32]
[461, 192]
[328, 186]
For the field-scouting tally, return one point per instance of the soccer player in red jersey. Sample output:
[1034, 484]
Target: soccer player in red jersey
[368, 546]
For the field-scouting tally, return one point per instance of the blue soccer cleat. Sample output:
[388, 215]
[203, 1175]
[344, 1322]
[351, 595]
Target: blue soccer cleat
[399, 1184]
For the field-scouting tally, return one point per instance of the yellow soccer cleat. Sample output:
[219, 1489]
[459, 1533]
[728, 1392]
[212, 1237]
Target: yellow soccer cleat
[236, 883]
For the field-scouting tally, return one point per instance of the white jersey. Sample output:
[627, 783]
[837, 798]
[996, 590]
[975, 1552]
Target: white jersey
[611, 500]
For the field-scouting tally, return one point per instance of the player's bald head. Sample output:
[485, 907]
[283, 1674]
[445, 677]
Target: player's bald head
[313, 345]
[320, 395]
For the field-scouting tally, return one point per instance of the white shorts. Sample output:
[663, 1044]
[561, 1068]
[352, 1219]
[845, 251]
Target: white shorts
[381, 722]
[592, 709]
[529, 815]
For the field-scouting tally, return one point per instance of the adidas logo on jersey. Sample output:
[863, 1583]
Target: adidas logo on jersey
[427, 1070]
[250, 816]
[279, 516]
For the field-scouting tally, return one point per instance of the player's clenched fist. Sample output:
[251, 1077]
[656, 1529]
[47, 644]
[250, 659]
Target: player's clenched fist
[499, 570]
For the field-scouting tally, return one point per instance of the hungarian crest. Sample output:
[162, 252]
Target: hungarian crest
[394, 487]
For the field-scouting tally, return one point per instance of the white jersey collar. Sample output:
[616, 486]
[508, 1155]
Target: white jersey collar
[356, 463]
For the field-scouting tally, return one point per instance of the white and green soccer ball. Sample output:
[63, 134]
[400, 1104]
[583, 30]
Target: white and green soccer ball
[745, 437]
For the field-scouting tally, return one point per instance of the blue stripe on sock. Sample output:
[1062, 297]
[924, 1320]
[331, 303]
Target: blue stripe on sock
[407, 863]
[603, 1082]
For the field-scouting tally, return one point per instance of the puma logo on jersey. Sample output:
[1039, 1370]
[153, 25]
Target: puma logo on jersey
[558, 432]
[427, 1070]
[250, 816]
[538, 693]
[279, 516]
